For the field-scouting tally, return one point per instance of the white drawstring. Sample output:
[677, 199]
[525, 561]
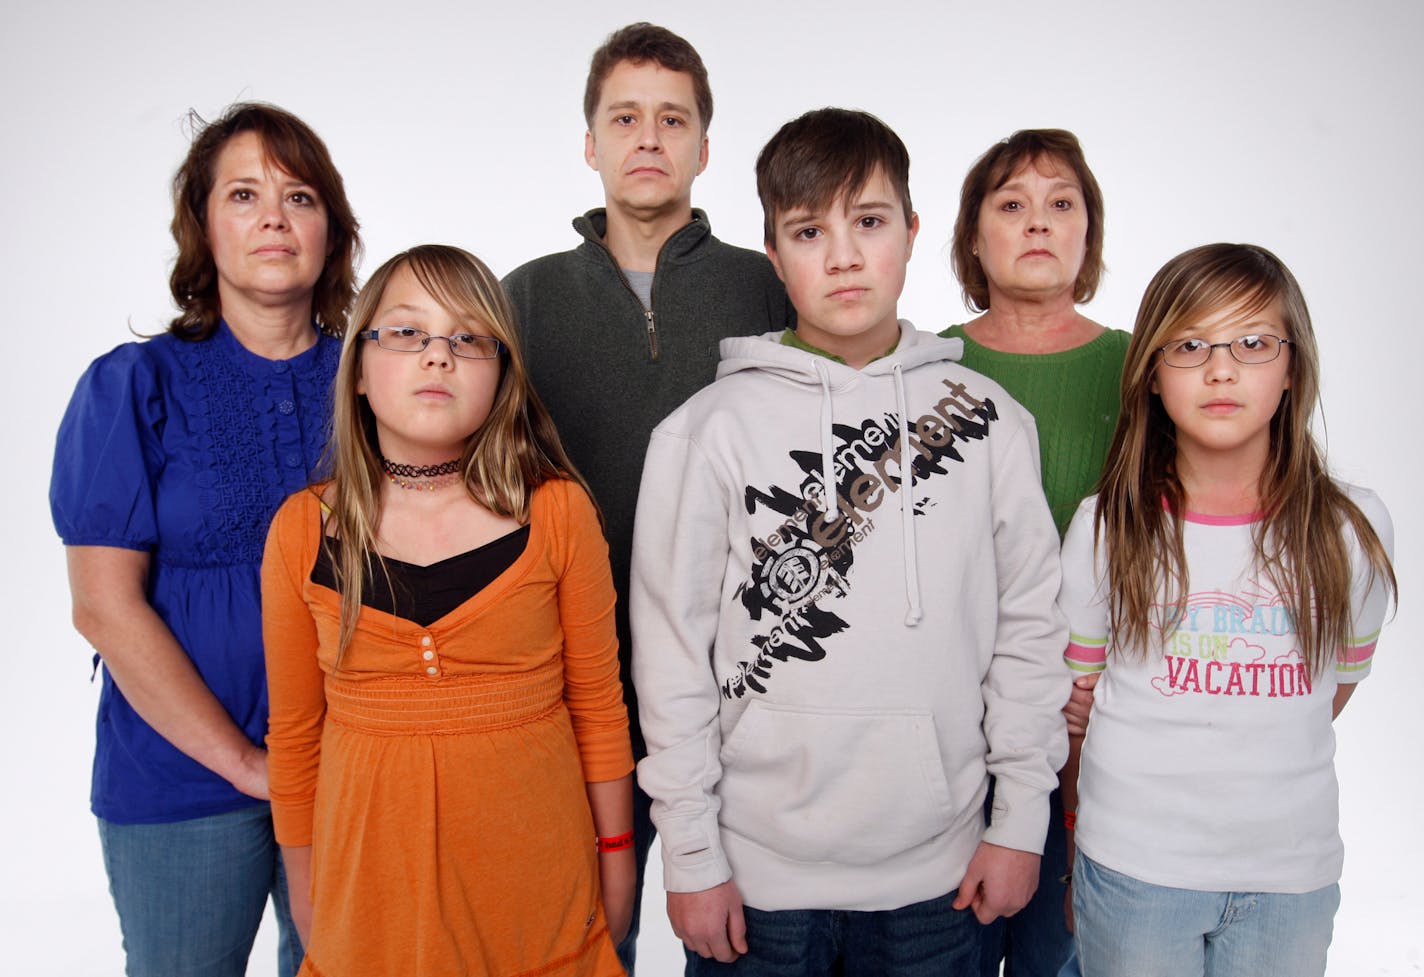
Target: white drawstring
[828, 484]
[914, 614]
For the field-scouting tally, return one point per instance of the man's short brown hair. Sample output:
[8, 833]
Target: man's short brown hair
[645, 43]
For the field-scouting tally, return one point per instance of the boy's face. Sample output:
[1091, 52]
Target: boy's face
[646, 140]
[844, 269]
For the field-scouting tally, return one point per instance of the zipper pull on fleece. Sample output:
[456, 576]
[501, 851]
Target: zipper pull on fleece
[652, 335]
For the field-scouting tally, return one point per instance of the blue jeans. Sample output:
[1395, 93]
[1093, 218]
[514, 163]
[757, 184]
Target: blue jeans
[190, 894]
[643, 835]
[926, 939]
[1034, 942]
[1127, 928]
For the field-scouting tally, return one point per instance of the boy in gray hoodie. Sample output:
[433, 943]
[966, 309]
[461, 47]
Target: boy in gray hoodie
[844, 574]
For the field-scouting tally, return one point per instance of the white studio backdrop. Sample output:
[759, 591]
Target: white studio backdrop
[1292, 125]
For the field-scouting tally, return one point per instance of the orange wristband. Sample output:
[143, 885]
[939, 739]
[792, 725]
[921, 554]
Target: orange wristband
[615, 843]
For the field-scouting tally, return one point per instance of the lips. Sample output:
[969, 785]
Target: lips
[434, 393]
[280, 250]
[848, 293]
[1221, 406]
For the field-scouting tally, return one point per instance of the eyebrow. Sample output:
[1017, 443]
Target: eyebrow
[1018, 186]
[660, 107]
[860, 206]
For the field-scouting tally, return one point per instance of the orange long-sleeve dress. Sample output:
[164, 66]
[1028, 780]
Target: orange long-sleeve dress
[439, 773]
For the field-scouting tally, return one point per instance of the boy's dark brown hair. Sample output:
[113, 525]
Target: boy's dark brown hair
[1027, 147]
[827, 153]
[645, 43]
[292, 145]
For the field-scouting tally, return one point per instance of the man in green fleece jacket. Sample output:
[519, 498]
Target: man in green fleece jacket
[621, 330]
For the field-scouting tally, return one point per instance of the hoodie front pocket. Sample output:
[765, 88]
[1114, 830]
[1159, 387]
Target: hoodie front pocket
[821, 786]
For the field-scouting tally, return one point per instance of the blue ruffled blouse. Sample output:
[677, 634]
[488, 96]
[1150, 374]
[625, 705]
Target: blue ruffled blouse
[185, 450]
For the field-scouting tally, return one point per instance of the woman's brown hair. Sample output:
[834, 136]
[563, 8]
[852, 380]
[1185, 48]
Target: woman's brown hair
[292, 145]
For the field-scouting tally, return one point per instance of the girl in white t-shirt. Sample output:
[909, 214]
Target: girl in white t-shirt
[1230, 594]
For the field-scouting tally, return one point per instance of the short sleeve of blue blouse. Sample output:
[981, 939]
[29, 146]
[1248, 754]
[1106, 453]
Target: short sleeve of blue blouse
[185, 450]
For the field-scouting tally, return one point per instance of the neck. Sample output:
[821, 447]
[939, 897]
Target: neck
[635, 240]
[858, 350]
[1222, 483]
[1028, 325]
[276, 332]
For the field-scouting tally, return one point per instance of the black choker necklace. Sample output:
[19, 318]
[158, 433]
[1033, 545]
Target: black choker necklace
[420, 471]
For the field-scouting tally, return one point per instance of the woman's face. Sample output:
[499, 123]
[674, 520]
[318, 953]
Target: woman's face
[427, 404]
[266, 228]
[1033, 232]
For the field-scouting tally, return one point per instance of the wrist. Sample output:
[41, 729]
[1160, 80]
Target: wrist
[607, 844]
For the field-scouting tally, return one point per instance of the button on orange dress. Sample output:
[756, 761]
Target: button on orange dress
[439, 773]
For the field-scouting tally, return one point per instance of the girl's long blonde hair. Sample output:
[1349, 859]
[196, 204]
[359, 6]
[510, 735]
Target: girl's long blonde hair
[1300, 543]
[512, 453]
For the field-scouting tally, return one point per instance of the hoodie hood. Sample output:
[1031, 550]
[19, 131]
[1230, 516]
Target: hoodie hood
[768, 354]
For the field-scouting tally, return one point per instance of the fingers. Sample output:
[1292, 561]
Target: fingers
[737, 930]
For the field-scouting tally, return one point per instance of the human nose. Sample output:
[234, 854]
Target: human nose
[1220, 364]
[274, 214]
[439, 351]
[1038, 220]
[842, 253]
[649, 136]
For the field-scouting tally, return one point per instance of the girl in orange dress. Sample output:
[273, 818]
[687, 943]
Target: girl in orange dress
[449, 754]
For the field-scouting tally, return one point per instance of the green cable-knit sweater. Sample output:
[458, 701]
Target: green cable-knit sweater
[1074, 397]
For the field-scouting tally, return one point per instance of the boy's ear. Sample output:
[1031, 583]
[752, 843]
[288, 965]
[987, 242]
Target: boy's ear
[702, 156]
[914, 229]
[775, 259]
[592, 160]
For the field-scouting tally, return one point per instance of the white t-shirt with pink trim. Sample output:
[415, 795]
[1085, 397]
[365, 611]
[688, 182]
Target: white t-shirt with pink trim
[1209, 762]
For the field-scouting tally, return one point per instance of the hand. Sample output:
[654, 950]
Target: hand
[1080, 703]
[710, 923]
[250, 776]
[999, 882]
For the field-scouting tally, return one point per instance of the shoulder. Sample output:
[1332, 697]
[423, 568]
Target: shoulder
[565, 498]
[751, 264]
[301, 510]
[1373, 509]
[541, 269]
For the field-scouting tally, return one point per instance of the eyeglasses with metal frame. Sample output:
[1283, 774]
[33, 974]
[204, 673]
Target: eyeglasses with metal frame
[408, 339]
[1250, 350]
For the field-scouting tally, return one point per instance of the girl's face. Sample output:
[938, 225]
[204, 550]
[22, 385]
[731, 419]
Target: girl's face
[1224, 407]
[428, 403]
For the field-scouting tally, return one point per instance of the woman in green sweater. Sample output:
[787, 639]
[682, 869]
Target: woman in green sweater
[1028, 249]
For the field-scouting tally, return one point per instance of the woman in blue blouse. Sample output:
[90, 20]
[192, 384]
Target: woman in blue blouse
[171, 459]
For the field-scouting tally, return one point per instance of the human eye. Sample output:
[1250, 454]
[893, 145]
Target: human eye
[1188, 345]
[869, 222]
[624, 120]
[1063, 204]
[303, 198]
[1253, 344]
[403, 338]
[807, 234]
[242, 195]
[673, 121]
[1011, 206]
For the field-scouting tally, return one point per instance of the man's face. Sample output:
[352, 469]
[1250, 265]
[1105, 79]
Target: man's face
[646, 140]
